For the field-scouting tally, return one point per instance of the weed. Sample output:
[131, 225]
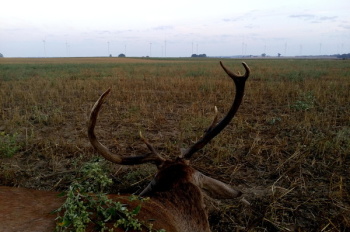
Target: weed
[83, 207]
[39, 116]
[273, 120]
[8, 145]
[306, 102]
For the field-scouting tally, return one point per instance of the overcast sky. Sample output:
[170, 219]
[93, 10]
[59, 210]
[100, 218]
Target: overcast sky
[178, 28]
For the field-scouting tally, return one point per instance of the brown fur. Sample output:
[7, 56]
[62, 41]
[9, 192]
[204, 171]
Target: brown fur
[27, 209]
[176, 204]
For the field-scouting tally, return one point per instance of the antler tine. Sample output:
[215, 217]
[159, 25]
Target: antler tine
[149, 146]
[214, 130]
[105, 152]
[234, 76]
[215, 120]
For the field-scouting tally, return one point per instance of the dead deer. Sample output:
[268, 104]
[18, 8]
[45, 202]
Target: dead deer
[176, 192]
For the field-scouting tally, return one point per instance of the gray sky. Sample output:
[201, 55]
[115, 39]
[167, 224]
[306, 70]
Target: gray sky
[159, 28]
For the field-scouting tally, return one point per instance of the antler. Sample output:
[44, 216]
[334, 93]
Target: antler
[154, 157]
[214, 130]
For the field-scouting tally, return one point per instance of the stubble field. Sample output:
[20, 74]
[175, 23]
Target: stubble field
[288, 148]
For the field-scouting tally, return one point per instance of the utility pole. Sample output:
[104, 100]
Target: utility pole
[165, 48]
[150, 49]
[44, 48]
[66, 49]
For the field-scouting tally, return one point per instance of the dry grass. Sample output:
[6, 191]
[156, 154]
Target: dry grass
[288, 148]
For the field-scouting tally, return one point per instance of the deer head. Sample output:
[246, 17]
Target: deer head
[177, 174]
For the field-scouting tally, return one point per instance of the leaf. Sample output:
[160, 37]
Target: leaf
[136, 210]
[62, 194]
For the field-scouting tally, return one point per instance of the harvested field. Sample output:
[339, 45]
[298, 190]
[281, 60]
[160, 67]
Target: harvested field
[288, 148]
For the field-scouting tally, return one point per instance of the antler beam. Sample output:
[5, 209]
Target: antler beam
[214, 130]
[154, 157]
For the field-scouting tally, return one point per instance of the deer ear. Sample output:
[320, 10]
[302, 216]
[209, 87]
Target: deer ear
[217, 189]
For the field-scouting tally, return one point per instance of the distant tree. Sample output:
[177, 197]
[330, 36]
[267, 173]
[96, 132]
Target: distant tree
[344, 56]
[110, 55]
[200, 55]
[263, 55]
[279, 54]
[121, 55]
[1, 55]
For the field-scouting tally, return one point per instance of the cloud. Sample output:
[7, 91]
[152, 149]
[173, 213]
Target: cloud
[102, 32]
[303, 16]
[327, 18]
[235, 19]
[345, 26]
[251, 26]
[163, 28]
[242, 17]
[314, 18]
[230, 20]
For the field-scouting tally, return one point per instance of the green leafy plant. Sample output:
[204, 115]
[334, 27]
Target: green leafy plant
[306, 102]
[8, 144]
[83, 207]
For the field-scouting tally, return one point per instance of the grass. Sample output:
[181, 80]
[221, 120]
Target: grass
[288, 148]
